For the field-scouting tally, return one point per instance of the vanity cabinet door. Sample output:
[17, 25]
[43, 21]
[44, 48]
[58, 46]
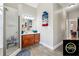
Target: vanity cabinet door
[31, 39]
[37, 38]
[27, 40]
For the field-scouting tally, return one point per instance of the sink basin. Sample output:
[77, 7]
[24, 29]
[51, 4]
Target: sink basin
[34, 31]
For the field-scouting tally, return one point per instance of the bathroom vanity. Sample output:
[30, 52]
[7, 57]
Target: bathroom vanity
[30, 39]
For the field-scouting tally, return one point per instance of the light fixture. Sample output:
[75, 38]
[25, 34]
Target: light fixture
[28, 17]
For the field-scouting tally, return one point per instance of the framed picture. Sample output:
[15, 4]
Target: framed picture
[45, 18]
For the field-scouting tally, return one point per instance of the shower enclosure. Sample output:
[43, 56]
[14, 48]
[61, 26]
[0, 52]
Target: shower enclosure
[11, 30]
[1, 30]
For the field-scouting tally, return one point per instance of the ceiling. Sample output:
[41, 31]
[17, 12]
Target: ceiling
[66, 4]
[33, 4]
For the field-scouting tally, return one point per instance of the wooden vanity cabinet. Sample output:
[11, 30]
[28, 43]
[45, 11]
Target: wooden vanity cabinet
[27, 40]
[30, 39]
[37, 38]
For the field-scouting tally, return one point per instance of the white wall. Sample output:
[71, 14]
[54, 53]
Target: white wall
[28, 10]
[58, 27]
[46, 33]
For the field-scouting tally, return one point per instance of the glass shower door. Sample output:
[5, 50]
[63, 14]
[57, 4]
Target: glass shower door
[11, 30]
[1, 30]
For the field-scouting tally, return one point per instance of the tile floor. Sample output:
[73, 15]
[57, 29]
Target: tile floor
[40, 50]
[1, 52]
[10, 50]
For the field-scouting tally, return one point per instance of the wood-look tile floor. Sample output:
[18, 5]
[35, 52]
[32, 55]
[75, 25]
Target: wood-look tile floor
[1, 51]
[10, 50]
[40, 50]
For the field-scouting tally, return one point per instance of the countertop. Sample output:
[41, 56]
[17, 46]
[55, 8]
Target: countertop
[26, 33]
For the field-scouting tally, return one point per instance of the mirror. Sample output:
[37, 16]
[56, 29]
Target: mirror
[26, 25]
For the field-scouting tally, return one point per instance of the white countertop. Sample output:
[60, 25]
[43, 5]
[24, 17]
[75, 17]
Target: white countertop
[26, 33]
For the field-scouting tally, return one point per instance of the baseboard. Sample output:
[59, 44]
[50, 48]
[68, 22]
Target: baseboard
[46, 45]
[15, 53]
[52, 48]
[56, 46]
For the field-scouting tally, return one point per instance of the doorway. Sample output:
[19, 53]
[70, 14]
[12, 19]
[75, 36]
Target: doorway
[72, 24]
